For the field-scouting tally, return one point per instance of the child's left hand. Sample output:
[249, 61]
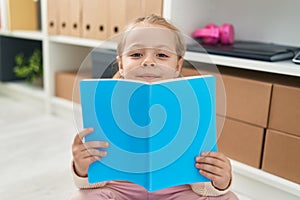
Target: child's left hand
[216, 167]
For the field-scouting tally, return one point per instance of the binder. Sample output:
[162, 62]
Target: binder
[64, 25]
[75, 17]
[52, 16]
[134, 9]
[121, 12]
[95, 15]
[117, 16]
[152, 7]
[22, 15]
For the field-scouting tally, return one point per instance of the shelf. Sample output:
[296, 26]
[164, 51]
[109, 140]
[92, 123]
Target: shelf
[22, 90]
[257, 184]
[82, 42]
[286, 67]
[32, 35]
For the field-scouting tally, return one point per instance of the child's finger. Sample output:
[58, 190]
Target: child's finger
[81, 134]
[210, 169]
[85, 132]
[96, 144]
[95, 152]
[211, 161]
[216, 155]
[209, 175]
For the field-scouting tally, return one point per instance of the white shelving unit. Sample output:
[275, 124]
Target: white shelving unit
[31, 35]
[66, 53]
[286, 67]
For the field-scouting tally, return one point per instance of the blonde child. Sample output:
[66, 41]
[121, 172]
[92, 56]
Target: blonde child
[154, 51]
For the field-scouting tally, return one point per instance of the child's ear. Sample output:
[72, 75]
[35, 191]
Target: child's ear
[179, 66]
[120, 65]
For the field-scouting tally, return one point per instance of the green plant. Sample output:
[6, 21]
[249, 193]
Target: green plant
[29, 68]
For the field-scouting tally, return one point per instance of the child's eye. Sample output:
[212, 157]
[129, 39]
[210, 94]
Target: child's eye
[162, 55]
[136, 55]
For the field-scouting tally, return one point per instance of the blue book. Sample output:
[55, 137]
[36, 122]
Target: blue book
[155, 130]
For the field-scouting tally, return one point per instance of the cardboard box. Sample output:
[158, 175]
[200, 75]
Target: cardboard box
[281, 155]
[247, 100]
[285, 109]
[23, 15]
[189, 72]
[241, 98]
[240, 141]
[64, 85]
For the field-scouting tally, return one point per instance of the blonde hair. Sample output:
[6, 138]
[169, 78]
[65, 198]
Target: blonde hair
[154, 20]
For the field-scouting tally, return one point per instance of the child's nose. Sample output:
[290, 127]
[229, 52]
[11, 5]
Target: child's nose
[149, 61]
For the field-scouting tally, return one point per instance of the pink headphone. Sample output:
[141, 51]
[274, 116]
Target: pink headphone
[212, 34]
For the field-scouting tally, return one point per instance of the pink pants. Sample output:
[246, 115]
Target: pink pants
[129, 191]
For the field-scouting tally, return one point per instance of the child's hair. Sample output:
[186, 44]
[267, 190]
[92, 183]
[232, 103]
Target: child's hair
[153, 20]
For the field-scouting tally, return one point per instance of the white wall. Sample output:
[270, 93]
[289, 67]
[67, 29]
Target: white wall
[274, 21]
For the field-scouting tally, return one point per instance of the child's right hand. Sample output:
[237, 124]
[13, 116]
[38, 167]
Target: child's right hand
[86, 153]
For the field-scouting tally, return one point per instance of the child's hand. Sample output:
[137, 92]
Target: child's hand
[216, 167]
[86, 153]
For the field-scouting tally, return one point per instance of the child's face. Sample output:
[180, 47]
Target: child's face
[150, 55]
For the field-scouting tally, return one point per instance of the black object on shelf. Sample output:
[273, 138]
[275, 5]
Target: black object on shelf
[248, 49]
[9, 48]
[104, 63]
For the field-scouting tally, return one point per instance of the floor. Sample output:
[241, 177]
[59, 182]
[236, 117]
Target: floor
[35, 153]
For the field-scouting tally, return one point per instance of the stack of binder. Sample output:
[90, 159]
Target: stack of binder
[96, 19]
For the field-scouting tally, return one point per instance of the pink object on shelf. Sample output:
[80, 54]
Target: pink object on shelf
[212, 34]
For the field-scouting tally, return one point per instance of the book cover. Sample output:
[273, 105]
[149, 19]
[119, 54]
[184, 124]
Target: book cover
[155, 130]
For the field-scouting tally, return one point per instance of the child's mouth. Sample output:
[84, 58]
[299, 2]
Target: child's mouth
[148, 77]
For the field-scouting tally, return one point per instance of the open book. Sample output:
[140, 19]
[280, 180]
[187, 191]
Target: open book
[155, 130]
